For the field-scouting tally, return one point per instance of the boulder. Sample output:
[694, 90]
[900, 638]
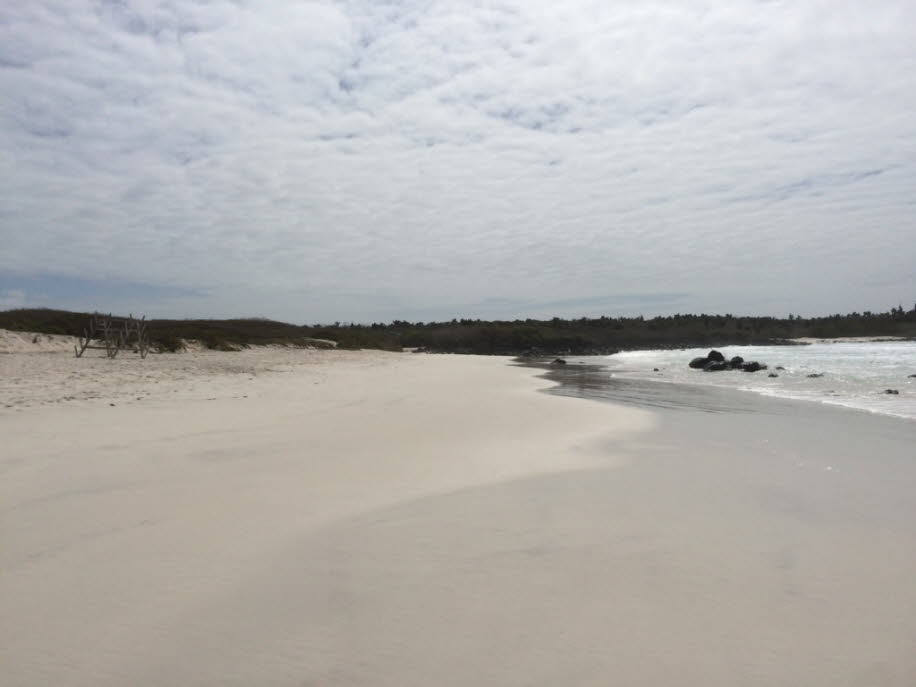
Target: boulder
[815, 375]
[558, 361]
[736, 361]
[715, 356]
[753, 366]
[772, 374]
[699, 363]
[779, 367]
[893, 392]
[655, 369]
[715, 366]
[912, 376]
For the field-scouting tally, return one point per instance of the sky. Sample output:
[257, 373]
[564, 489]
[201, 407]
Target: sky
[364, 160]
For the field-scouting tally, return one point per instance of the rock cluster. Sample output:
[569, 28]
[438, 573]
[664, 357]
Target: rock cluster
[716, 362]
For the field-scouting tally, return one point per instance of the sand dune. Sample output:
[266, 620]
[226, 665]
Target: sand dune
[32, 342]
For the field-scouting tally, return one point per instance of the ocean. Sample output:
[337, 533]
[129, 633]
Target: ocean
[854, 374]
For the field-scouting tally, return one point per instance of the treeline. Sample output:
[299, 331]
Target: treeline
[585, 336]
[556, 336]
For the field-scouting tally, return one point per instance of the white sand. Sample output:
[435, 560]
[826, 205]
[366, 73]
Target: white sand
[335, 518]
[847, 339]
[31, 342]
[129, 531]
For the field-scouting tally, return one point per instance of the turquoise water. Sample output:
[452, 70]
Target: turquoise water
[855, 375]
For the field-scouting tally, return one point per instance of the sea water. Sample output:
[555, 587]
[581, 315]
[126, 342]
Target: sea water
[855, 375]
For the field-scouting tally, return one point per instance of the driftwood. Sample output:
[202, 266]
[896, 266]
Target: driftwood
[111, 334]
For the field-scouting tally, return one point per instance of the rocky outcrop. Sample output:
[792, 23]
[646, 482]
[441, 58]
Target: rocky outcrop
[711, 358]
[714, 361]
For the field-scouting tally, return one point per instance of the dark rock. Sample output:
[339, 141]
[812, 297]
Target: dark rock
[715, 356]
[753, 366]
[892, 391]
[815, 375]
[779, 367]
[715, 366]
[912, 376]
[655, 369]
[772, 374]
[699, 363]
[558, 361]
[736, 361]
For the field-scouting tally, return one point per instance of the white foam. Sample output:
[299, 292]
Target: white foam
[855, 375]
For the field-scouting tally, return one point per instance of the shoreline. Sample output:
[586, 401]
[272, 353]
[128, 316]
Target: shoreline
[668, 394]
[875, 377]
[388, 519]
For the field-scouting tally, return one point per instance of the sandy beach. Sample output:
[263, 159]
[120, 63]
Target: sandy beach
[293, 517]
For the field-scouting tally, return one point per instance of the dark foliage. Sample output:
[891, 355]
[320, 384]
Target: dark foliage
[538, 337]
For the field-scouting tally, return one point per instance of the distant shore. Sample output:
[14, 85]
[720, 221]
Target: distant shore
[851, 339]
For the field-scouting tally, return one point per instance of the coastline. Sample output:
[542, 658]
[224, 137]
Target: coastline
[871, 376]
[593, 381]
[367, 518]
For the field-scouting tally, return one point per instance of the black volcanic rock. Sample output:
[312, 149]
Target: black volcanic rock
[558, 361]
[815, 375]
[893, 392]
[772, 374]
[716, 362]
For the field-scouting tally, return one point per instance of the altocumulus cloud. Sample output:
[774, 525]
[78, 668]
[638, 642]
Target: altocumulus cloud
[369, 160]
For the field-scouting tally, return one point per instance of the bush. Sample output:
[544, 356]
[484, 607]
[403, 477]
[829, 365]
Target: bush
[168, 343]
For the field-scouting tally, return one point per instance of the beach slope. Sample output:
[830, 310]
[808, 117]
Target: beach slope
[365, 518]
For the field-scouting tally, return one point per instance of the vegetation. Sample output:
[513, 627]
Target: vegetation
[548, 337]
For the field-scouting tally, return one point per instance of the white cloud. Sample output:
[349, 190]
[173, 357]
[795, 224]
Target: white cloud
[363, 160]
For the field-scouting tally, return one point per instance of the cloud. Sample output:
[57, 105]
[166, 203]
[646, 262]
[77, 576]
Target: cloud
[344, 160]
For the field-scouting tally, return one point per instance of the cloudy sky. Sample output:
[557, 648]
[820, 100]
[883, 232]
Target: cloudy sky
[365, 160]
